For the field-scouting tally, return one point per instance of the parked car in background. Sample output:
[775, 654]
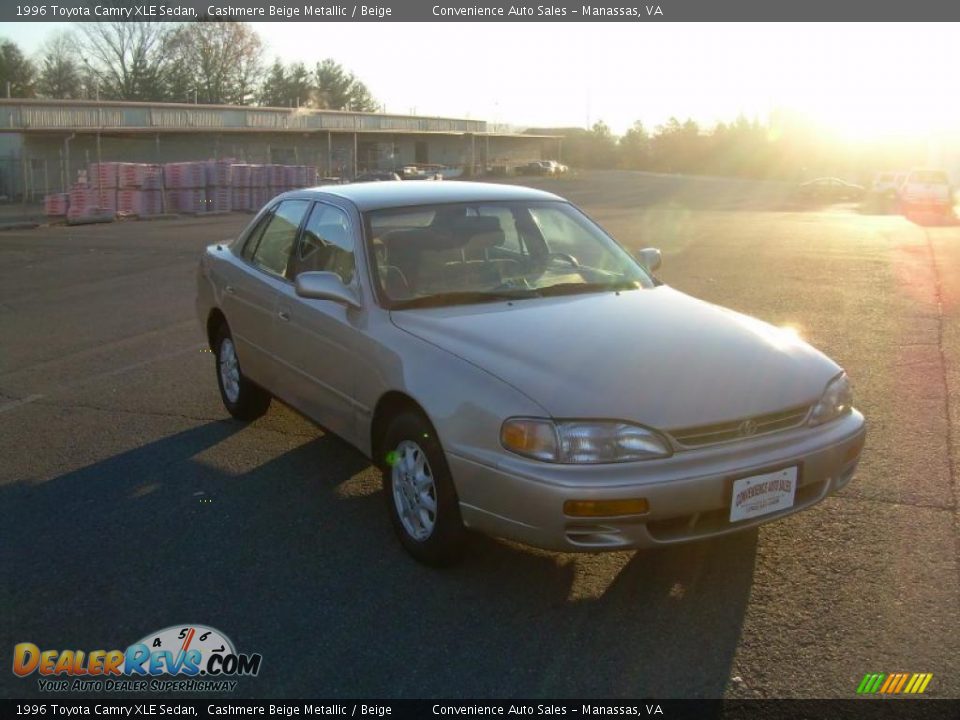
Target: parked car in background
[412, 172]
[555, 167]
[535, 167]
[886, 184]
[926, 190]
[513, 370]
[830, 189]
[377, 176]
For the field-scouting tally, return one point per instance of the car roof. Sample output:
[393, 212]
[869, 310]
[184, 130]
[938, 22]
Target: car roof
[405, 193]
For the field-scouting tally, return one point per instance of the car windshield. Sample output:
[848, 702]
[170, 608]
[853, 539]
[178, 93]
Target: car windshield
[931, 177]
[463, 253]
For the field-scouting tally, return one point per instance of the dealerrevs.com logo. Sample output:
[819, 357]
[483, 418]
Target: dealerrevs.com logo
[188, 658]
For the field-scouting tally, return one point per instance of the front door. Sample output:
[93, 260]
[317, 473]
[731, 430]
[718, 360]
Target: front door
[318, 338]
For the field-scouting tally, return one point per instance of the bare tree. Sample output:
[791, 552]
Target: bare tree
[60, 75]
[223, 60]
[128, 59]
[17, 74]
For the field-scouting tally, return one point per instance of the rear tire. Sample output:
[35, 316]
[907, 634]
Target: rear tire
[242, 398]
[420, 495]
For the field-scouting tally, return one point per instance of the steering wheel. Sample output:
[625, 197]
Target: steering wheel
[567, 257]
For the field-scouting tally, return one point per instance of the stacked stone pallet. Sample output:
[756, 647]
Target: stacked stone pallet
[186, 186]
[139, 189]
[56, 204]
[219, 190]
[240, 186]
[144, 189]
[95, 198]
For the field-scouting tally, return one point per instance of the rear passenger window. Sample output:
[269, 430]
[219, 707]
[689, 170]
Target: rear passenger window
[253, 236]
[276, 244]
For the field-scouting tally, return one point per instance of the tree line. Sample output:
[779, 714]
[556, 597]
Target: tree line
[738, 148]
[208, 62]
[780, 147]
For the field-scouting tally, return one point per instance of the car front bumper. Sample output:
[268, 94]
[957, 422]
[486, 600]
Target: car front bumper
[688, 493]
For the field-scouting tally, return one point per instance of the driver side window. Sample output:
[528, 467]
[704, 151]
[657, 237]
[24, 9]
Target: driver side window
[276, 243]
[563, 235]
[326, 244]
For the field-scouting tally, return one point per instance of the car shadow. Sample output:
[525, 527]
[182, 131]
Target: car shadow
[296, 560]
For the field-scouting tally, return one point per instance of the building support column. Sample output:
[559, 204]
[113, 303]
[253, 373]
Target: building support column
[329, 153]
[355, 159]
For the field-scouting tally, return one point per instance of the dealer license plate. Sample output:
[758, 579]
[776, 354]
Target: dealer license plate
[759, 495]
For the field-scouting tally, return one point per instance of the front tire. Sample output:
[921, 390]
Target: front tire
[421, 498]
[242, 398]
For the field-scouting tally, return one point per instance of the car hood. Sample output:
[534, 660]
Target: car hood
[654, 356]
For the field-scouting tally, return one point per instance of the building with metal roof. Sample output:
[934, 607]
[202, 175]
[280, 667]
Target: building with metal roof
[44, 142]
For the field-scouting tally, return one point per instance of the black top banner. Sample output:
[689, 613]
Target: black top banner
[481, 11]
[900, 709]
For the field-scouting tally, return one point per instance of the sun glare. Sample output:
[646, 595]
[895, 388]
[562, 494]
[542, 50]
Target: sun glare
[888, 116]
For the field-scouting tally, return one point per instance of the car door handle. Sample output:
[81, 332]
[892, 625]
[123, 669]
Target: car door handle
[230, 290]
[284, 315]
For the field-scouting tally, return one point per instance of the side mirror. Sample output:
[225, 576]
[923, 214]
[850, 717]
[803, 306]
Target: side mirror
[650, 258]
[325, 286]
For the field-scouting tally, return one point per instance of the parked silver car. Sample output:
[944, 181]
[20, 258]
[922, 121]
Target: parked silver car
[513, 370]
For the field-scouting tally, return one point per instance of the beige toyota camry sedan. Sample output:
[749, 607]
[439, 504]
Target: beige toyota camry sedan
[515, 371]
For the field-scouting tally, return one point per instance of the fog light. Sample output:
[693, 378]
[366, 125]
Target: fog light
[605, 508]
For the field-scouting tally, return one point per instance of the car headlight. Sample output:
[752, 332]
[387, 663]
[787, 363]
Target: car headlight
[581, 441]
[836, 400]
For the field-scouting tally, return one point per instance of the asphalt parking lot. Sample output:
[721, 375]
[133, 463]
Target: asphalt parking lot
[131, 502]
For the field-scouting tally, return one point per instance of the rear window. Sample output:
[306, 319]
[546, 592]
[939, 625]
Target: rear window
[929, 177]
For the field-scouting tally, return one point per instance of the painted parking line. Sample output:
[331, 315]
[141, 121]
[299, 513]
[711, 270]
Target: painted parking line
[13, 405]
[132, 366]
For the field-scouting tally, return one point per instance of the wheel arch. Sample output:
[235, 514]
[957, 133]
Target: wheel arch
[215, 319]
[391, 404]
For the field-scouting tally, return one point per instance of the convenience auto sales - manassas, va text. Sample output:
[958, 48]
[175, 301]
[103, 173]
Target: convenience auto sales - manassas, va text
[539, 710]
[623, 13]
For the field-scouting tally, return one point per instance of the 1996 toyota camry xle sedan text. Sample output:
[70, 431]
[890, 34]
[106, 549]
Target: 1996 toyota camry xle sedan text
[513, 370]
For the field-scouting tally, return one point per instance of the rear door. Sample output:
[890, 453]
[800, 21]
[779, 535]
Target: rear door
[251, 289]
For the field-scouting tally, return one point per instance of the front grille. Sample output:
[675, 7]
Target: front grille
[739, 429]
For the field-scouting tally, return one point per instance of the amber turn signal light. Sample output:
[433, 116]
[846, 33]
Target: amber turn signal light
[605, 508]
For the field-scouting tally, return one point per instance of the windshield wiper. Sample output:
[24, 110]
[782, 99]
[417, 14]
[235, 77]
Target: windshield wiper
[573, 288]
[462, 298]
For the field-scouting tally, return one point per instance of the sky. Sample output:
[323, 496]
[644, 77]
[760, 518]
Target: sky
[860, 80]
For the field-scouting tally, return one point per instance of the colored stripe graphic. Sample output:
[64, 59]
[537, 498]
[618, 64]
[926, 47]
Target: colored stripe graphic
[894, 683]
[891, 680]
